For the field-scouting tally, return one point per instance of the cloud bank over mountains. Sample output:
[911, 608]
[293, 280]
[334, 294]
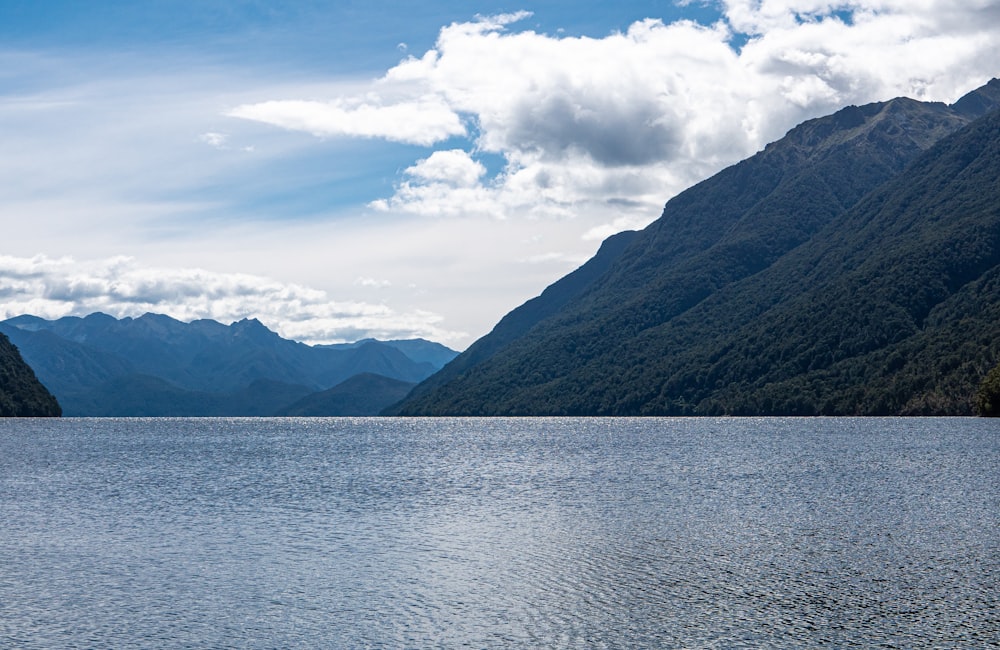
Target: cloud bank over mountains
[53, 288]
[628, 120]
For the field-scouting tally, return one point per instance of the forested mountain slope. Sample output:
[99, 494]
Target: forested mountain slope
[361, 395]
[847, 268]
[21, 394]
[518, 322]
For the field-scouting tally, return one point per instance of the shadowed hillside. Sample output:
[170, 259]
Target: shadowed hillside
[21, 394]
[848, 268]
[361, 395]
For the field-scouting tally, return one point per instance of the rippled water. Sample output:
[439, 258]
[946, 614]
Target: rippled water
[580, 533]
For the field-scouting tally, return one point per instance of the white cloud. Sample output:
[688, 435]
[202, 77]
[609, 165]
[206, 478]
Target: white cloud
[554, 257]
[213, 139]
[422, 120]
[445, 183]
[605, 230]
[634, 117]
[52, 288]
[371, 282]
[453, 167]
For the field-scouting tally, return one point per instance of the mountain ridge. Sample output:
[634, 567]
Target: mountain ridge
[157, 365]
[21, 393]
[720, 233]
[364, 394]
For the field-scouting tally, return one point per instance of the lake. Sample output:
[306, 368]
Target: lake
[482, 533]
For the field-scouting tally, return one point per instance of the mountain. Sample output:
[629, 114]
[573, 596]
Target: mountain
[137, 395]
[518, 322]
[156, 365]
[988, 395]
[363, 394]
[849, 268]
[419, 350]
[21, 394]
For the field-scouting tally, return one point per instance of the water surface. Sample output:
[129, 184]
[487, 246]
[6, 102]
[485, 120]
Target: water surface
[545, 532]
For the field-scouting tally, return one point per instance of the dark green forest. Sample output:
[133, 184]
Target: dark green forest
[988, 396]
[21, 394]
[851, 268]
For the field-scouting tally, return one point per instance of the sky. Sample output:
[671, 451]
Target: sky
[363, 168]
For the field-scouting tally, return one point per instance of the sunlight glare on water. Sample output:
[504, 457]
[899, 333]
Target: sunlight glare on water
[544, 532]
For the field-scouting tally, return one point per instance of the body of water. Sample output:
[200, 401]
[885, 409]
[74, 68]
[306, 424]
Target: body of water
[482, 533]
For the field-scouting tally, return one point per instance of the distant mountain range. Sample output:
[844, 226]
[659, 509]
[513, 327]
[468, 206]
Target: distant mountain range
[852, 267]
[362, 395]
[155, 365]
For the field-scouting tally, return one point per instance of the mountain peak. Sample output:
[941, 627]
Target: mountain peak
[98, 317]
[849, 268]
[915, 123]
[248, 323]
[27, 322]
[980, 101]
[158, 318]
[251, 329]
[251, 325]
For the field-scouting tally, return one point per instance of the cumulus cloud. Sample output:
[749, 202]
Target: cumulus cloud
[56, 287]
[590, 124]
[445, 183]
[453, 167]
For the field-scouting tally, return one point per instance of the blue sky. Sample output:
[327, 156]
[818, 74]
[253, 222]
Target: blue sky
[353, 35]
[351, 169]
